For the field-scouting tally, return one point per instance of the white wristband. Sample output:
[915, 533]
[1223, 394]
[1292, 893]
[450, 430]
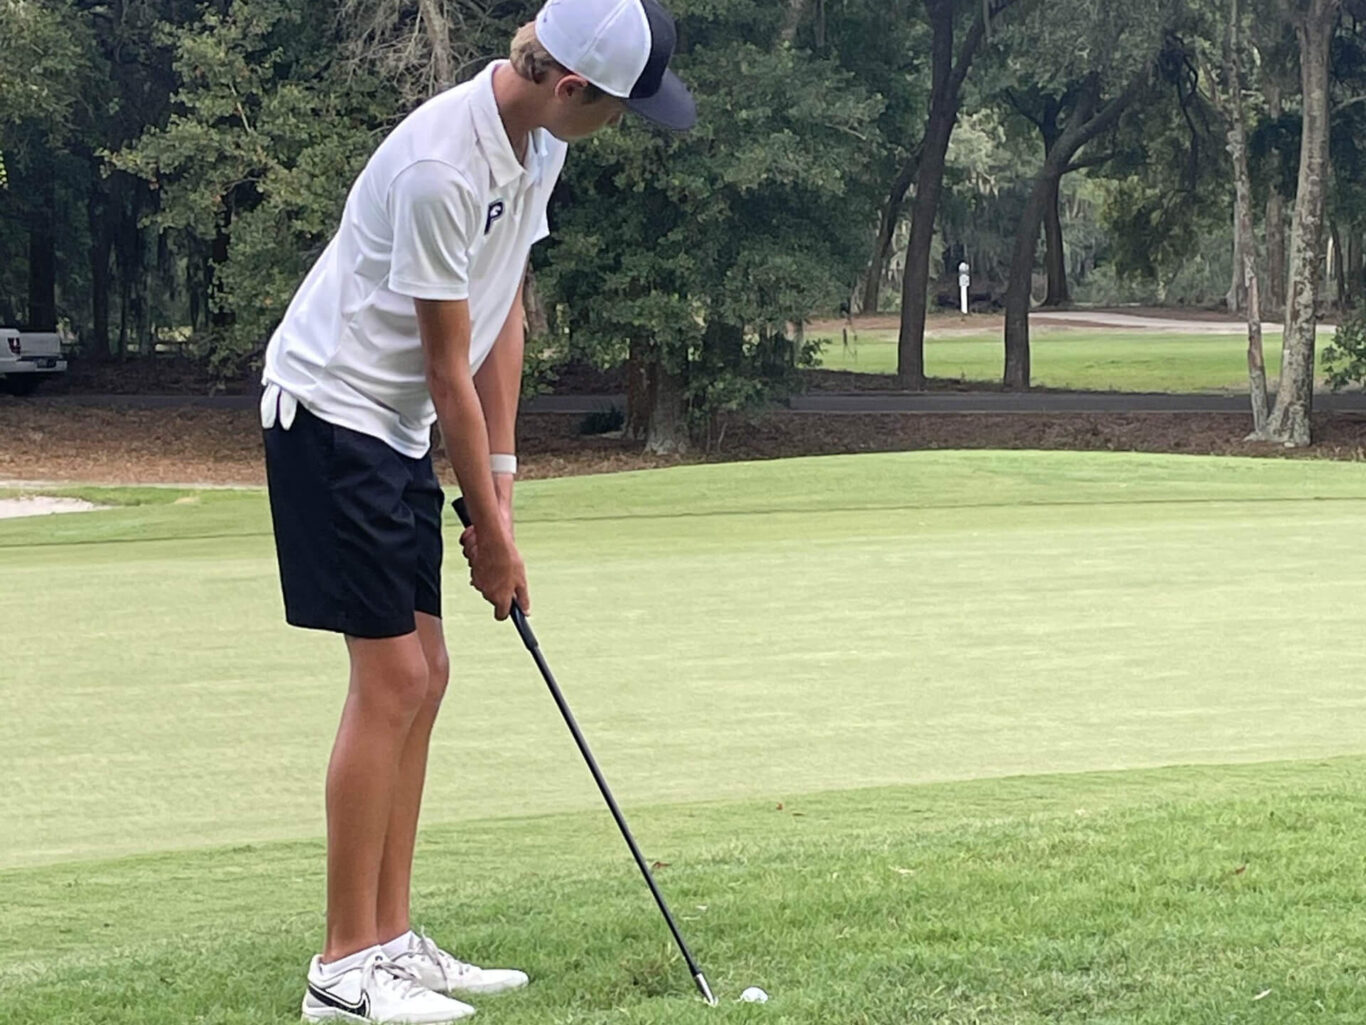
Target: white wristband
[501, 462]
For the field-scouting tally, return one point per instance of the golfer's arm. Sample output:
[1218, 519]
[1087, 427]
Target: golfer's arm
[444, 326]
[499, 383]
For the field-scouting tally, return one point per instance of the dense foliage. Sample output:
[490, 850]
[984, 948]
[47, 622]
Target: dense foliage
[169, 168]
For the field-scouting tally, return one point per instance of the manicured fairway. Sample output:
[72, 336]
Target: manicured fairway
[831, 635]
[1072, 358]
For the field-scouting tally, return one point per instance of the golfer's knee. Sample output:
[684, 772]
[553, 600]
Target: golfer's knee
[398, 690]
[438, 676]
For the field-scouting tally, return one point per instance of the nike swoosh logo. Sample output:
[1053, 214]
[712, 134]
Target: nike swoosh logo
[361, 1009]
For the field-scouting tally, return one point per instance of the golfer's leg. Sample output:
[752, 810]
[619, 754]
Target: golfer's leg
[389, 688]
[396, 871]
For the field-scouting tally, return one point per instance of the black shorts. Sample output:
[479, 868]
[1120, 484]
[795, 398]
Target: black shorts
[357, 529]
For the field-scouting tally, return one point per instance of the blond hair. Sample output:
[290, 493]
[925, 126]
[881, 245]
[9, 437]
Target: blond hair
[533, 62]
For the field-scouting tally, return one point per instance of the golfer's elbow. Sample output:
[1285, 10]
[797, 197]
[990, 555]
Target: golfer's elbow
[451, 386]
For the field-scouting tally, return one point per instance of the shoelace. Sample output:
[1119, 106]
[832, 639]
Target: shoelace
[404, 978]
[435, 953]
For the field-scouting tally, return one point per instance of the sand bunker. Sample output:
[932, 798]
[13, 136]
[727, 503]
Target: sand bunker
[41, 505]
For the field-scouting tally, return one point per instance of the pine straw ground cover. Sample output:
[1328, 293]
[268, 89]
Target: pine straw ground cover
[46, 440]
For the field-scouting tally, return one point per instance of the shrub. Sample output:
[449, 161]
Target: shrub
[1344, 362]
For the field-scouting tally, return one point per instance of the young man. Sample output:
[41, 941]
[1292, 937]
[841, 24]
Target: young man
[412, 316]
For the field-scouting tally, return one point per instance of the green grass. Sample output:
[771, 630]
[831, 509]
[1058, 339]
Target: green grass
[1168, 896]
[903, 650]
[1074, 359]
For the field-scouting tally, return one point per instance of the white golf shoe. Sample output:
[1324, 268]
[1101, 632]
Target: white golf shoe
[377, 991]
[442, 973]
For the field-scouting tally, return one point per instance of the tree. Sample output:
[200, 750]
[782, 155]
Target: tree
[1091, 118]
[688, 256]
[423, 46]
[1230, 99]
[947, 76]
[982, 199]
[1048, 110]
[46, 53]
[89, 76]
[1315, 23]
[253, 166]
[1346, 210]
[1102, 61]
[878, 42]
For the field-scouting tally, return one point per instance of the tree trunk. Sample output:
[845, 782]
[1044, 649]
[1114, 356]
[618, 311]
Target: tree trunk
[146, 315]
[218, 257]
[640, 399]
[439, 37]
[42, 258]
[1236, 298]
[1289, 423]
[1054, 257]
[1352, 256]
[910, 363]
[134, 249]
[121, 345]
[533, 309]
[667, 432]
[1246, 246]
[1275, 216]
[1337, 266]
[101, 247]
[1017, 370]
[1276, 269]
[886, 230]
[198, 274]
[945, 95]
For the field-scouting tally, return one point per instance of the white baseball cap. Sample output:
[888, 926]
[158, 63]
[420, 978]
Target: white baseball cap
[623, 47]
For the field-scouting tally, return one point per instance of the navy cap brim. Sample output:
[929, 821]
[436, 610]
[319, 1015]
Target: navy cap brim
[672, 106]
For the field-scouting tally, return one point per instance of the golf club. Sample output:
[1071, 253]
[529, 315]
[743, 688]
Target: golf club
[529, 639]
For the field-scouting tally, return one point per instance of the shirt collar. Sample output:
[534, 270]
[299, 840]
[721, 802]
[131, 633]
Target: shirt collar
[493, 137]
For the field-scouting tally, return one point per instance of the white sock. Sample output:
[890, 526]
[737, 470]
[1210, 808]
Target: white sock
[332, 969]
[397, 945]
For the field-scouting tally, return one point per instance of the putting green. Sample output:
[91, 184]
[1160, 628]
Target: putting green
[737, 631]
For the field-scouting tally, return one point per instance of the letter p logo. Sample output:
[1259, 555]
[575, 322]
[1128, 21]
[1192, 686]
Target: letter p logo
[495, 212]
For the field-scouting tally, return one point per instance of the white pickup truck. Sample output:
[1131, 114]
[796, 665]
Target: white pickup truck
[27, 358]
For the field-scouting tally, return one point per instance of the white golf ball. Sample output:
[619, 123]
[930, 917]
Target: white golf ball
[754, 995]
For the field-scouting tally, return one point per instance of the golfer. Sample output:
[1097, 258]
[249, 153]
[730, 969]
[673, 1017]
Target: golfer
[413, 316]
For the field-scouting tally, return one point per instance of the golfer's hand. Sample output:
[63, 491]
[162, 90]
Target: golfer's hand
[469, 537]
[497, 572]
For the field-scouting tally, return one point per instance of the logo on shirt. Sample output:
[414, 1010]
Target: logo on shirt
[495, 212]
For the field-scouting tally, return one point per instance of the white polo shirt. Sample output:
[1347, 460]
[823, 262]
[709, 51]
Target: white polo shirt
[443, 210]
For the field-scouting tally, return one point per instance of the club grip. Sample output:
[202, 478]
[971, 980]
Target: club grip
[462, 510]
[518, 616]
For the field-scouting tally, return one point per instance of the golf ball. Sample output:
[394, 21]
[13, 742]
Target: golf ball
[754, 995]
